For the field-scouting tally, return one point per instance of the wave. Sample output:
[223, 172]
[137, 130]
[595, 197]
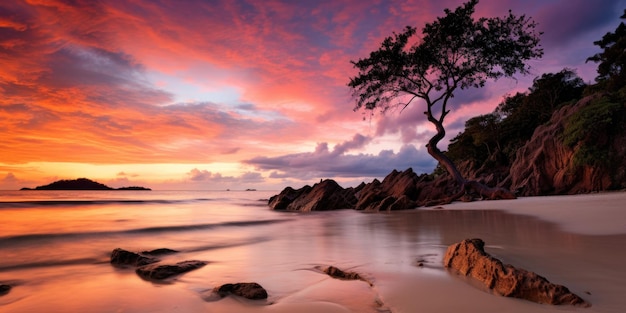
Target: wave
[50, 263]
[36, 203]
[21, 239]
[102, 260]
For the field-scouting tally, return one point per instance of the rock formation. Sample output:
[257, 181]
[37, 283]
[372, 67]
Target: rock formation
[251, 291]
[545, 165]
[398, 191]
[324, 196]
[470, 259]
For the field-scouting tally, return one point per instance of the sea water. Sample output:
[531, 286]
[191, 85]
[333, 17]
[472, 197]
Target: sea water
[55, 248]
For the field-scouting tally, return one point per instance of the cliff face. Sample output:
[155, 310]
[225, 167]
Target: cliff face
[545, 165]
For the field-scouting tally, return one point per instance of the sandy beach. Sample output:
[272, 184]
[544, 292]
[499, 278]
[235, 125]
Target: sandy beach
[576, 241]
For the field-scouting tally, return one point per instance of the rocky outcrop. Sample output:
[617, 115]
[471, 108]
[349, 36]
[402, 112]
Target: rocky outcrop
[398, 191]
[251, 291]
[470, 259]
[324, 196]
[164, 271]
[545, 165]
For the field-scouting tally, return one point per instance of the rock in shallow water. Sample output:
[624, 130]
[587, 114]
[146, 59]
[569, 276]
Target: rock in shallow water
[335, 272]
[470, 259]
[251, 291]
[4, 289]
[160, 251]
[121, 257]
[164, 271]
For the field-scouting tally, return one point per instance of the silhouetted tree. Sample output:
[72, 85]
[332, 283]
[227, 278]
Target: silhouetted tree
[612, 61]
[455, 52]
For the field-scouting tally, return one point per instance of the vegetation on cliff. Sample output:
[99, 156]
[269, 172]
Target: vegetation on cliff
[573, 134]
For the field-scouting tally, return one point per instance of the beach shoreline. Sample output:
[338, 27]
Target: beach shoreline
[400, 253]
[592, 214]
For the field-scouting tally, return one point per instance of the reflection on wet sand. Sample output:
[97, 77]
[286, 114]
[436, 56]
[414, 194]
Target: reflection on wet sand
[400, 253]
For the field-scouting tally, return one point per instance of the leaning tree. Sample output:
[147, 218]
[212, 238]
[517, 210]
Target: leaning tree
[455, 52]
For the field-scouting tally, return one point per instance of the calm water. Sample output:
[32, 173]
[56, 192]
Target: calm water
[55, 247]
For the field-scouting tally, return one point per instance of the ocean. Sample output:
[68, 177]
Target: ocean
[55, 248]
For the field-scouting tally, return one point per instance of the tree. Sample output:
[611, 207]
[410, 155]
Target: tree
[455, 52]
[612, 61]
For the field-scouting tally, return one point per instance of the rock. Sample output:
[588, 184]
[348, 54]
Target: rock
[164, 271]
[121, 257]
[4, 289]
[339, 274]
[324, 196]
[470, 259]
[398, 191]
[251, 291]
[160, 251]
[281, 201]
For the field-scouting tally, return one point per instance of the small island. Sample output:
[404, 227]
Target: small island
[81, 184]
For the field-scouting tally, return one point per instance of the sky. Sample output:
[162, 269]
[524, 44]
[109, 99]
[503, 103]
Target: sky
[234, 94]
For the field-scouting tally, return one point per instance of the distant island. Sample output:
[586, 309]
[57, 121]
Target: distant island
[81, 184]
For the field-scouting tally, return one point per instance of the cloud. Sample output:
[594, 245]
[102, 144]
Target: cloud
[9, 178]
[208, 177]
[323, 163]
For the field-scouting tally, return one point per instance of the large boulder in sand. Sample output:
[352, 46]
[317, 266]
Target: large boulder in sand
[164, 271]
[470, 259]
[324, 196]
[251, 291]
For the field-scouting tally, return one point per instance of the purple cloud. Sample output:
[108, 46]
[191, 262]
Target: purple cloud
[323, 163]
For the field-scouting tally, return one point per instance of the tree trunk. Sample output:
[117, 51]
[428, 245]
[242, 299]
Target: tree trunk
[484, 191]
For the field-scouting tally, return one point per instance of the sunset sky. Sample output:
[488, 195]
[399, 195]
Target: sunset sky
[216, 94]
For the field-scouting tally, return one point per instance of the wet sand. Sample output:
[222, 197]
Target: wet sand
[576, 241]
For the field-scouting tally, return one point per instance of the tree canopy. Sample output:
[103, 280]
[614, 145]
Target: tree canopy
[456, 51]
[612, 61]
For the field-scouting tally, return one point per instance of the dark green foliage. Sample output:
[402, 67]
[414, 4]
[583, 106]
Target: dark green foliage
[476, 143]
[456, 51]
[592, 129]
[612, 61]
[513, 122]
